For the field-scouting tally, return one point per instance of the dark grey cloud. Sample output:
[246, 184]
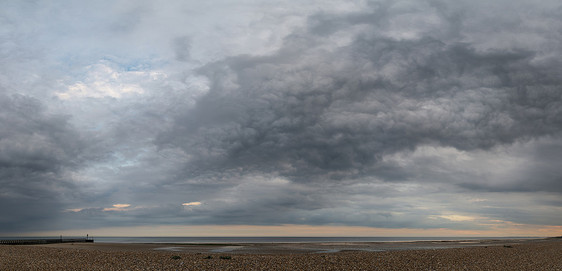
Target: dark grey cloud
[36, 151]
[181, 48]
[332, 112]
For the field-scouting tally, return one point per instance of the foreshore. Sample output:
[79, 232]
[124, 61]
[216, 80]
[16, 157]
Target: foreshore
[516, 254]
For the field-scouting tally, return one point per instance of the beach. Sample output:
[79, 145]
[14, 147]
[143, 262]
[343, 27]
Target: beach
[534, 254]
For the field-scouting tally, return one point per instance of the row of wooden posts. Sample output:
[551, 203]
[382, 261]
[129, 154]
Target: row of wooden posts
[45, 241]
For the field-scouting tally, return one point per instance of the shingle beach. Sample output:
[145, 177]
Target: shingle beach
[543, 254]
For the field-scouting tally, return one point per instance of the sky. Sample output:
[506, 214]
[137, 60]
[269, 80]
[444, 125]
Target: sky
[281, 118]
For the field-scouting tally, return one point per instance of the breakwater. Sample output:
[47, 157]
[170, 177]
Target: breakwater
[45, 241]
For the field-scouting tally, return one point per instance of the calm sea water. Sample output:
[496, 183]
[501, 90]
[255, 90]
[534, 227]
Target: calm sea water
[195, 240]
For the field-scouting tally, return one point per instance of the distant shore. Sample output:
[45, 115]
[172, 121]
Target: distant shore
[514, 254]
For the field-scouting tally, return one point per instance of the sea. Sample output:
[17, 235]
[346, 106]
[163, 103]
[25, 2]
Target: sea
[227, 240]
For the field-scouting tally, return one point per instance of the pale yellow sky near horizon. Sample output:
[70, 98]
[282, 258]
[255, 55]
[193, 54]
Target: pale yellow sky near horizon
[300, 231]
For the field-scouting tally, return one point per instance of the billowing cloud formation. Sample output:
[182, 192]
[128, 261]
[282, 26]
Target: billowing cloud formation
[389, 114]
[319, 112]
[314, 113]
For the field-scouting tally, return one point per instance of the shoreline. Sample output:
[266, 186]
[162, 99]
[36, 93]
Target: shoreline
[299, 247]
[283, 239]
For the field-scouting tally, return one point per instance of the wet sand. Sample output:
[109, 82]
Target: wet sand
[537, 254]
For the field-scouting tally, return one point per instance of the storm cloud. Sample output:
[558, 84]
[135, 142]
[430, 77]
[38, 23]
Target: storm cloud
[38, 150]
[384, 114]
[323, 112]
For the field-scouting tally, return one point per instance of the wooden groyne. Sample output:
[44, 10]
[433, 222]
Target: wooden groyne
[45, 241]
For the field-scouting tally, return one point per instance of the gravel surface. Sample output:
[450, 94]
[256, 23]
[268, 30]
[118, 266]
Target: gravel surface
[536, 255]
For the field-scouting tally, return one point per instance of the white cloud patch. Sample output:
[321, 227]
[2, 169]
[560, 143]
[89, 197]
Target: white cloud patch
[456, 218]
[105, 79]
[74, 210]
[118, 207]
